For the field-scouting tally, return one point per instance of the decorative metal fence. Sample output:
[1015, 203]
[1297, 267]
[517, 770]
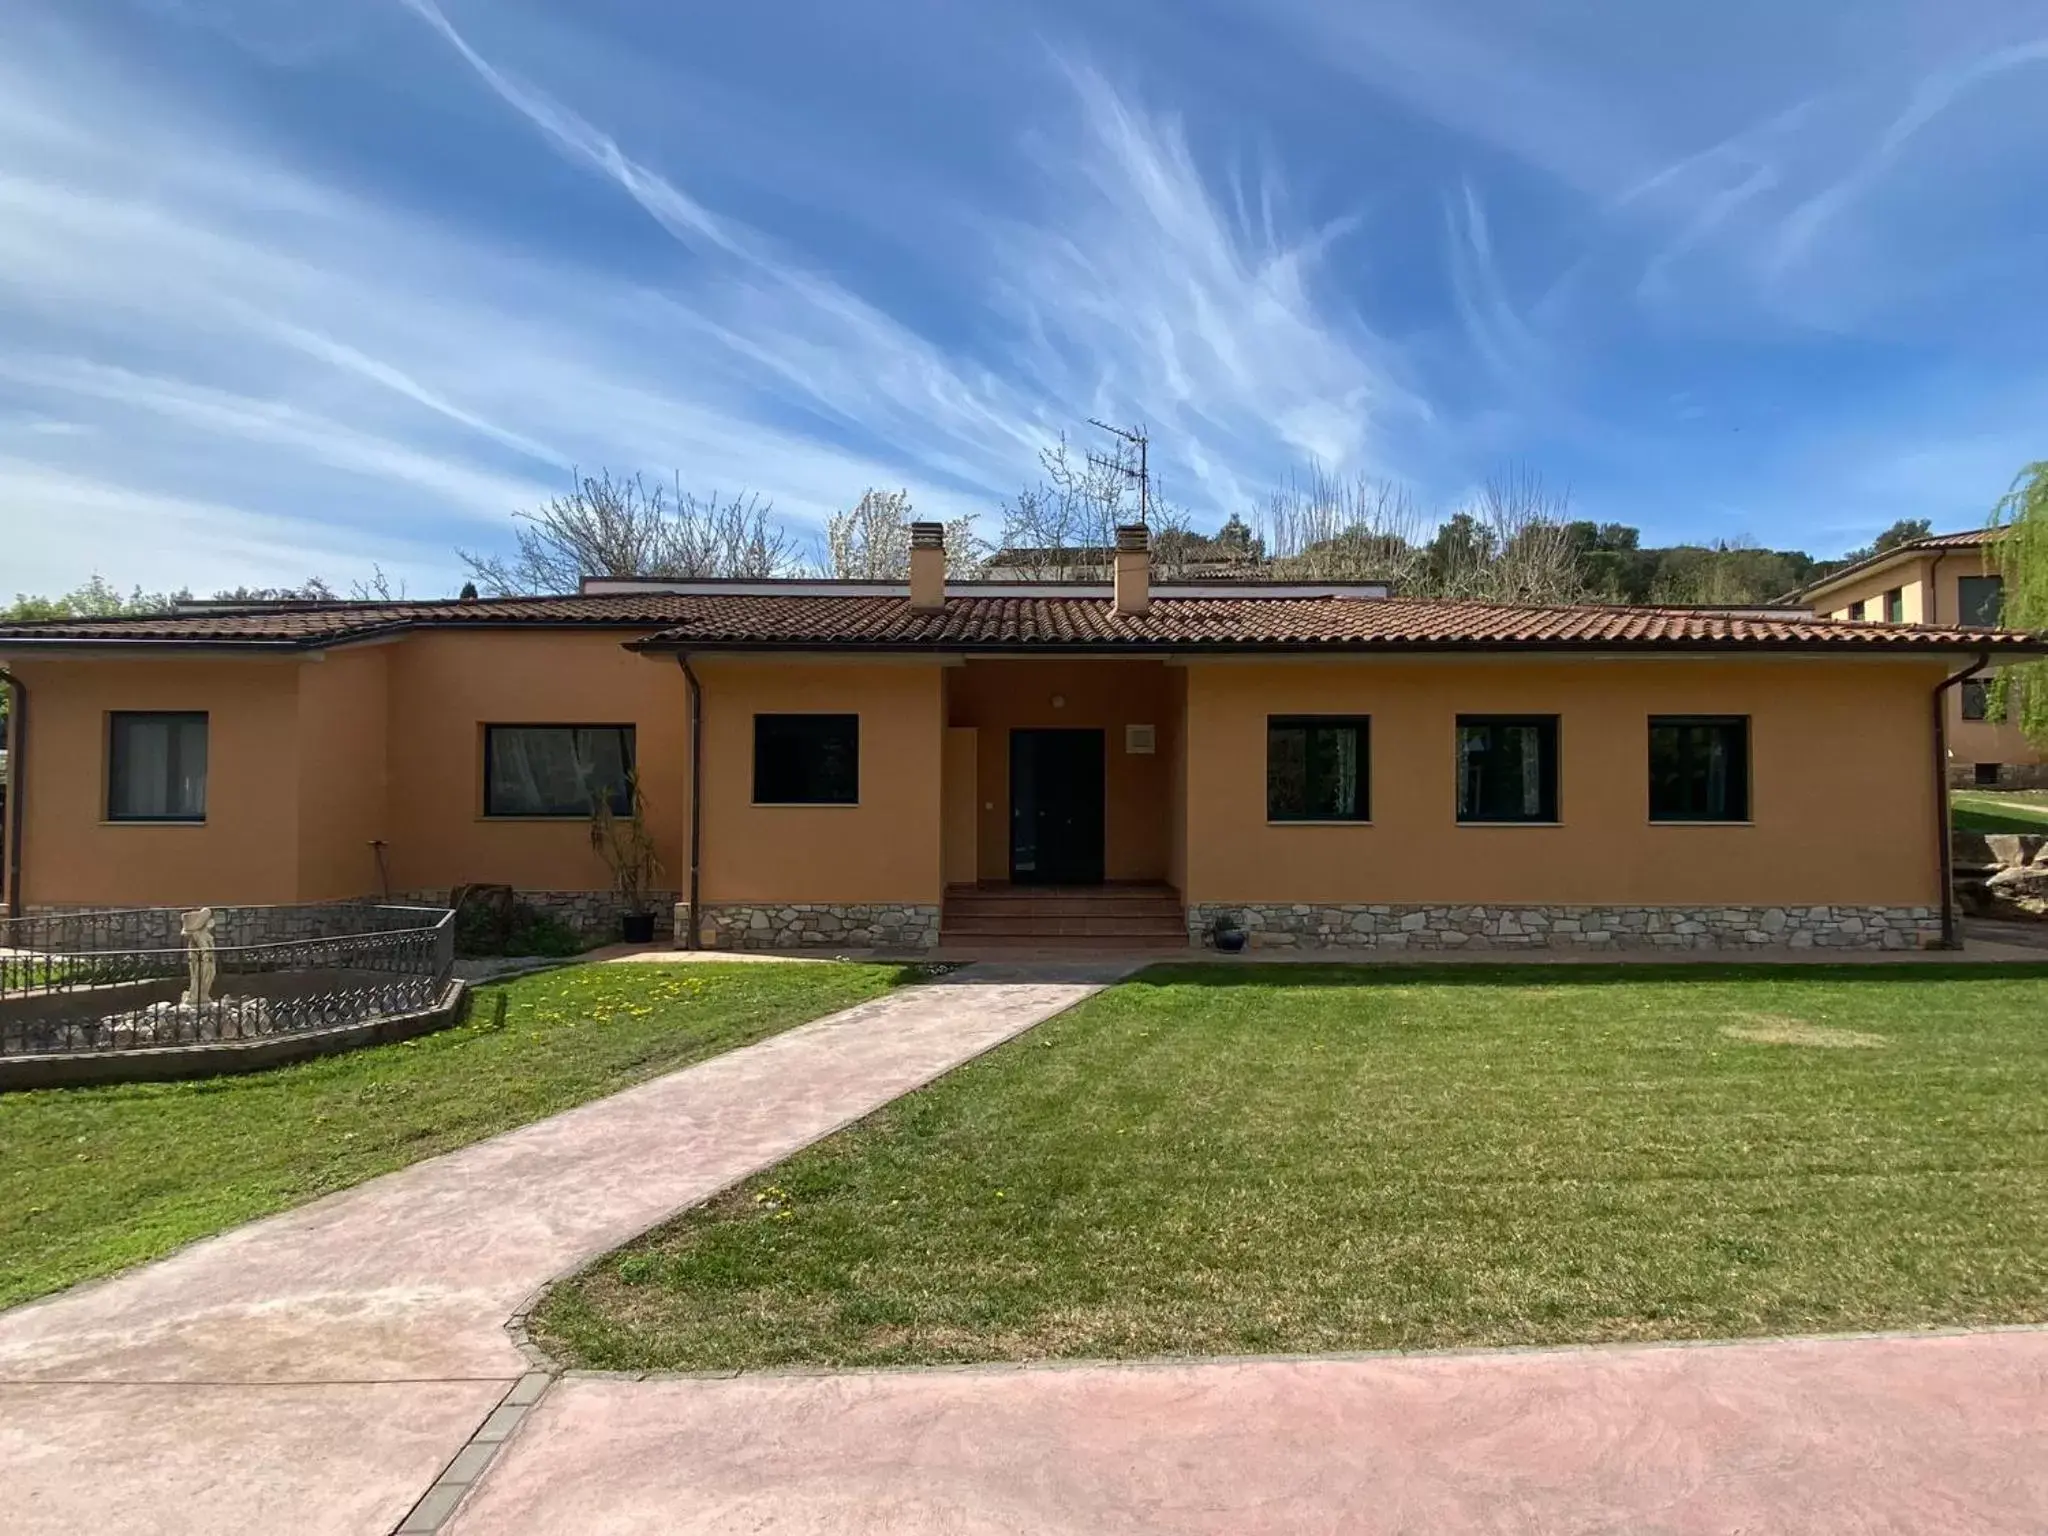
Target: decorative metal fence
[162, 976]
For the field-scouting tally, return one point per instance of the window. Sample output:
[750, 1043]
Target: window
[1976, 699]
[1981, 600]
[1856, 611]
[1316, 768]
[806, 759]
[156, 767]
[1987, 775]
[1699, 768]
[556, 770]
[1507, 768]
[1895, 606]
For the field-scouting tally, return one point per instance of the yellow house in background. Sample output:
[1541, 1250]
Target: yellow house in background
[1949, 580]
[850, 764]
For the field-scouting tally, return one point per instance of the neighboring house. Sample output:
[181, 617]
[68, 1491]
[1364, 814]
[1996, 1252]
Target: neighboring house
[1945, 581]
[1326, 764]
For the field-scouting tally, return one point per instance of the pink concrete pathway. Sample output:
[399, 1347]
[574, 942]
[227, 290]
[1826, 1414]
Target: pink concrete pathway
[313, 1373]
[1915, 1436]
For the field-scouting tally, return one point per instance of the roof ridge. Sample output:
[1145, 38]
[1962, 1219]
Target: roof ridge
[1961, 538]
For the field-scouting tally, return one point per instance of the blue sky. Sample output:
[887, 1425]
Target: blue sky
[295, 286]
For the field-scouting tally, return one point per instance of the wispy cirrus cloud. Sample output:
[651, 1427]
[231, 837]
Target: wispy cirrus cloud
[1149, 294]
[1932, 95]
[255, 334]
[1501, 338]
[357, 281]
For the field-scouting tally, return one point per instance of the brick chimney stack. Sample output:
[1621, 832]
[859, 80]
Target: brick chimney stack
[1133, 569]
[927, 567]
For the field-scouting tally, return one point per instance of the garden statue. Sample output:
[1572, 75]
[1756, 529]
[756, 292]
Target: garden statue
[199, 961]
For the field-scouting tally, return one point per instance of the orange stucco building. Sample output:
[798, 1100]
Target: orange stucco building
[832, 763]
[1948, 579]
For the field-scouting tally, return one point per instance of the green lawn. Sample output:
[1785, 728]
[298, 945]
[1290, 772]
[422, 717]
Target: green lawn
[95, 1179]
[1215, 1160]
[2009, 810]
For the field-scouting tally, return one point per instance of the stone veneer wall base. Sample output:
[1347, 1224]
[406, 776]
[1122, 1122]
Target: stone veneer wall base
[814, 925]
[2010, 776]
[1395, 927]
[589, 912]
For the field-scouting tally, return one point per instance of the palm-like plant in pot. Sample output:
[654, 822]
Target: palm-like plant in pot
[622, 841]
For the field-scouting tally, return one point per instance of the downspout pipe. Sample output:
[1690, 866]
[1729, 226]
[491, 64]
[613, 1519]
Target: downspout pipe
[17, 776]
[694, 940]
[1944, 837]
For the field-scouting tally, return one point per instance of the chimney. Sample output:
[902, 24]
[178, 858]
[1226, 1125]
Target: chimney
[1133, 568]
[927, 567]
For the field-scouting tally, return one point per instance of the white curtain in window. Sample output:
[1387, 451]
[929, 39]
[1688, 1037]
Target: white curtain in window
[142, 783]
[554, 770]
[1344, 742]
[1716, 772]
[1527, 772]
[159, 768]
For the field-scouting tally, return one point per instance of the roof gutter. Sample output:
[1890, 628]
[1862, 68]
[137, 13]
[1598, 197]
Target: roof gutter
[228, 645]
[98, 646]
[1943, 833]
[17, 776]
[693, 939]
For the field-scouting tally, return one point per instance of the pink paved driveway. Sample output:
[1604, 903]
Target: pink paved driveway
[1920, 1435]
[311, 1373]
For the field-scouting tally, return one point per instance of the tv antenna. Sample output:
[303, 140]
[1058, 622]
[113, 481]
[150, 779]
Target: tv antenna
[1121, 463]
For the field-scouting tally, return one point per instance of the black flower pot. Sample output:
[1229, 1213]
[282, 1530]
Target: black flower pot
[1230, 940]
[637, 927]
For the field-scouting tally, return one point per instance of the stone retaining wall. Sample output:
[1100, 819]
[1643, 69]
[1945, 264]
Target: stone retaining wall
[815, 925]
[1433, 928]
[2010, 776]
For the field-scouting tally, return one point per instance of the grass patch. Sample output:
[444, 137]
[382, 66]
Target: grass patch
[1224, 1160]
[2014, 810]
[95, 1179]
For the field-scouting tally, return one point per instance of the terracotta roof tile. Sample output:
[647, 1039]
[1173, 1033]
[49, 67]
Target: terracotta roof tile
[813, 616]
[332, 623]
[1227, 623]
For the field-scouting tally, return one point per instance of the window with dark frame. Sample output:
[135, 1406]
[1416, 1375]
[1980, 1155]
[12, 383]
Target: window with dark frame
[1980, 601]
[1895, 606]
[1507, 768]
[557, 770]
[156, 765]
[1976, 699]
[1856, 611]
[807, 759]
[1318, 768]
[1699, 768]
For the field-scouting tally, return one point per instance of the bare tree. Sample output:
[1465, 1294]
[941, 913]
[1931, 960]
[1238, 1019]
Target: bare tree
[1064, 528]
[377, 589]
[614, 526]
[1510, 543]
[1320, 528]
[1534, 558]
[871, 541]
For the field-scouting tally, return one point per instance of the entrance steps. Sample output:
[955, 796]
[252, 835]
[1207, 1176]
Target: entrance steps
[1121, 916]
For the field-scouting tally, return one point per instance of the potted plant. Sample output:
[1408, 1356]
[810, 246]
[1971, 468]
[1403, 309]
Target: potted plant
[1227, 933]
[622, 841]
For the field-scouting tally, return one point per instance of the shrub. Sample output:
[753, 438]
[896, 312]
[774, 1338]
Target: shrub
[490, 920]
